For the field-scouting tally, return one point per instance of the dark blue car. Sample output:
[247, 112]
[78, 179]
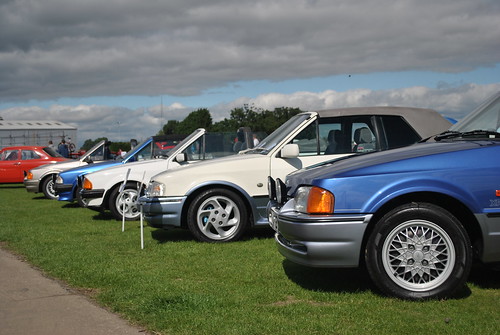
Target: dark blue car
[66, 182]
[416, 217]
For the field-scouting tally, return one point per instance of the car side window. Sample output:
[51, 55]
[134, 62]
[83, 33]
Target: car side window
[9, 155]
[194, 151]
[307, 140]
[363, 139]
[398, 132]
[29, 154]
[337, 135]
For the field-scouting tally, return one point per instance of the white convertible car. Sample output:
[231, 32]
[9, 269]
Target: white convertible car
[218, 200]
[100, 190]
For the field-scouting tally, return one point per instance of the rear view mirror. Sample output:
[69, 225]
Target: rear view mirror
[290, 151]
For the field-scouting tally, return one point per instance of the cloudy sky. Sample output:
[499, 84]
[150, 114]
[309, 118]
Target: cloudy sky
[119, 68]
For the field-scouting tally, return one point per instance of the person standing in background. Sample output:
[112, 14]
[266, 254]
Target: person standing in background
[62, 149]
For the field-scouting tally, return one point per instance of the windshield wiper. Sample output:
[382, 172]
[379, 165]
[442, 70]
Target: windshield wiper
[447, 134]
[483, 133]
[473, 133]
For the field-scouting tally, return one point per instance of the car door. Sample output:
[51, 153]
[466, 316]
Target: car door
[9, 166]
[29, 160]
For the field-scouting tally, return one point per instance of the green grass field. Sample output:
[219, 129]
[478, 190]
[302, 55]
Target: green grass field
[176, 285]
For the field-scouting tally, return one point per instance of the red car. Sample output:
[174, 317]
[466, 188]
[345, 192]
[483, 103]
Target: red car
[16, 161]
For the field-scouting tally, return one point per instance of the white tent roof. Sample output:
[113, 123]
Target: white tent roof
[33, 125]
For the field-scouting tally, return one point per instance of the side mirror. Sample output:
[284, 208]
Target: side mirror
[181, 158]
[290, 151]
[88, 160]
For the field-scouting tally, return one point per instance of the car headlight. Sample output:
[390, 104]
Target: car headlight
[155, 189]
[314, 200]
[59, 180]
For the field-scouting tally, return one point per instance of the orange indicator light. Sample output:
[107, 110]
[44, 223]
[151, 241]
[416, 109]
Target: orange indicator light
[320, 201]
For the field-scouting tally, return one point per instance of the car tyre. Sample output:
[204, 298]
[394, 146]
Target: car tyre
[217, 215]
[419, 251]
[81, 201]
[127, 201]
[48, 188]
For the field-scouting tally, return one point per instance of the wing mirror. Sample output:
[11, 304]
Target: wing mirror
[290, 151]
[182, 157]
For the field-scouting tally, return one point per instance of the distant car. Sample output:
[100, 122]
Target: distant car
[101, 189]
[66, 182]
[16, 161]
[41, 179]
[218, 200]
[415, 217]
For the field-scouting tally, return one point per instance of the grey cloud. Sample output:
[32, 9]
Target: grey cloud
[64, 48]
[122, 124]
[455, 102]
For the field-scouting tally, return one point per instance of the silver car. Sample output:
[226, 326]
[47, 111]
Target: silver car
[40, 179]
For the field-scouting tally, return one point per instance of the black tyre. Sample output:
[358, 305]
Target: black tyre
[217, 215]
[125, 202]
[419, 251]
[48, 188]
[81, 201]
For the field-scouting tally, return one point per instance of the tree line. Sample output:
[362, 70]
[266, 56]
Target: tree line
[259, 120]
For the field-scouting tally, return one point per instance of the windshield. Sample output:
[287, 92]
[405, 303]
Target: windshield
[51, 152]
[268, 143]
[135, 149]
[486, 117]
[186, 140]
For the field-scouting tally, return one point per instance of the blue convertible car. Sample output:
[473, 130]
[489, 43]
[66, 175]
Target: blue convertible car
[66, 182]
[416, 217]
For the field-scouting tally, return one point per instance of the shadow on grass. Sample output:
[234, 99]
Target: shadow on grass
[171, 235]
[178, 234]
[41, 197]
[358, 280]
[11, 186]
[485, 276]
[328, 279]
[71, 205]
[258, 233]
[102, 216]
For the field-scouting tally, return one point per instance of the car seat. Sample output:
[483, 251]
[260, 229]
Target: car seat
[362, 136]
[333, 142]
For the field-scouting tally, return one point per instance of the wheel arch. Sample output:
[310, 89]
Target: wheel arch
[191, 195]
[447, 202]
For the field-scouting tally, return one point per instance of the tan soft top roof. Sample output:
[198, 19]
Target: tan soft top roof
[426, 122]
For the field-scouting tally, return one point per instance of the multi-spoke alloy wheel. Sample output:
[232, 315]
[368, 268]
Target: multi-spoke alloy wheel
[418, 251]
[48, 188]
[419, 254]
[217, 216]
[125, 202]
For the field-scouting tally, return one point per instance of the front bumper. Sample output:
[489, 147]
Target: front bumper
[94, 197]
[162, 212]
[319, 240]
[92, 194]
[64, 191]
[32, 185]
[63, 188]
